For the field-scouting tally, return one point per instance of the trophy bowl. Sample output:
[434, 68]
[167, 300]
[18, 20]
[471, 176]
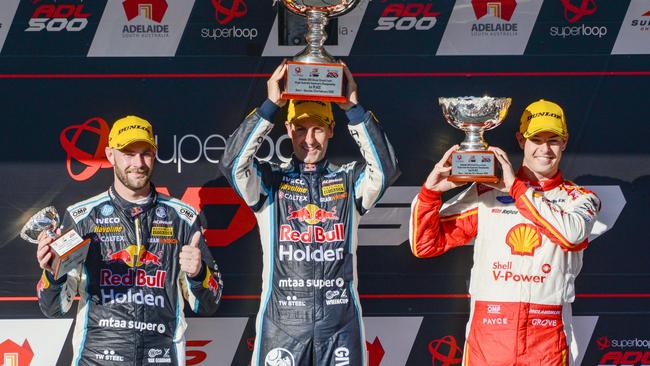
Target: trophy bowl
[474, 115]
[314, 74]
[46, 219]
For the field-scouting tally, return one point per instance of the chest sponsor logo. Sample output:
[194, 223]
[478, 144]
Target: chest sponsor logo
[403, 16]
[133, 277]
[112, 238]
[162, 231]
[132, 257]
[132, 296]
[107, 210]
[293, 188]
[296, 197]
[314, 234]
[308, 254]
[312, 214]
[333, 189]
[505, 211]
[503, 272]
[58, 17]
[107, 220]
[108, 229]
[163, 241]
[162, 222]
[524, 239]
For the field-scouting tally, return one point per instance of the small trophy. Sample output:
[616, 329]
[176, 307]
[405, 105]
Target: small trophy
[69, 250]
[314, 74]
[474, 115]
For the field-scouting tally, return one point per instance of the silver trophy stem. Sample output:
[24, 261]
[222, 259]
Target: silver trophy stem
[315, 37]
[473, 140]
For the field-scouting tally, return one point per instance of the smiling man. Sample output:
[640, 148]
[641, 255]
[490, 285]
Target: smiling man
[528, 231]
[308, 211]
[147, 253]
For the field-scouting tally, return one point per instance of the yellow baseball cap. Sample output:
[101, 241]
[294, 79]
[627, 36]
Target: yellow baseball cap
[541, 116]
[299, 109]
[130, 129]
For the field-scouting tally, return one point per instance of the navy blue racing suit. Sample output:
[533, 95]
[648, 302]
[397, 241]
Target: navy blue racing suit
[308, 216]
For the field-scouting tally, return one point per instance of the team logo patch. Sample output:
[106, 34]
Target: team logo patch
[161, 212]
[279, 357]
[505, 199]
[333, 189]
[523, 239]
[107, 210]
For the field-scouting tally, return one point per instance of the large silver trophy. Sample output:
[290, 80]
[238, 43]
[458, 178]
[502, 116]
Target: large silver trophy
[314, 74]
[473, 162]
[68, 250]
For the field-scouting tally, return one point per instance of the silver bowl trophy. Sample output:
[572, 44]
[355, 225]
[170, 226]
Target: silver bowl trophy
[314, 74]
[68, 250]
[474, 115]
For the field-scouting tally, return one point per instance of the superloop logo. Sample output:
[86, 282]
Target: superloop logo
[225, 15]
[445, 351]
[573, 13]
[92, 161]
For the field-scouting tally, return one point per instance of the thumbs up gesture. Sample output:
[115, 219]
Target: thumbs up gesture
[190, 256]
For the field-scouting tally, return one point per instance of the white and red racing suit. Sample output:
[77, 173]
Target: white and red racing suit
[527, 253]
[308, 216]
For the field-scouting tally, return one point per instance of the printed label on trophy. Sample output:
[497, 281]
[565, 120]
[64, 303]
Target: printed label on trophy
[69, 252]
[306, 81]
[475, 164]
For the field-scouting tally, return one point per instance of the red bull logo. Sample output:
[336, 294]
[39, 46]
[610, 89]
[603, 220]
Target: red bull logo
[211, 284]
[312, 214]
[134, 258]
[314, 234]
[138, 277]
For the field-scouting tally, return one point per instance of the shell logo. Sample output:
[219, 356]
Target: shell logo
[523, 239]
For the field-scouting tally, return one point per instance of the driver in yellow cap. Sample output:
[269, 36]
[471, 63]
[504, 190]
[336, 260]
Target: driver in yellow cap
[528, 231]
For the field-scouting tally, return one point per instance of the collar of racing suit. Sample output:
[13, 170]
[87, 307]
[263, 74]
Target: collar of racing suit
[302, 167]
[541, 185]
[133, 209]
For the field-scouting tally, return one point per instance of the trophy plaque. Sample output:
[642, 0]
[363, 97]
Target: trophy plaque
[473, 162]
[68, 251]
[314, 74]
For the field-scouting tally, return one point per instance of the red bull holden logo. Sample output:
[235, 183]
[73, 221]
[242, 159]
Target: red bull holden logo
[134, 258]
[312, 214]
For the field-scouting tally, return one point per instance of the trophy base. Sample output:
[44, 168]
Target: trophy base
[69, 251]
[322, 82]
[473, 166]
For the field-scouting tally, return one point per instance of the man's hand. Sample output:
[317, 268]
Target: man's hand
[44, 252]
[437, 179]
[273, 85]
[190, 256]
[351, 94]
[508, 178]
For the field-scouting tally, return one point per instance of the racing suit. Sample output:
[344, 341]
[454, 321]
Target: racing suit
[131, 286]
[527, 253]
[308, 216]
